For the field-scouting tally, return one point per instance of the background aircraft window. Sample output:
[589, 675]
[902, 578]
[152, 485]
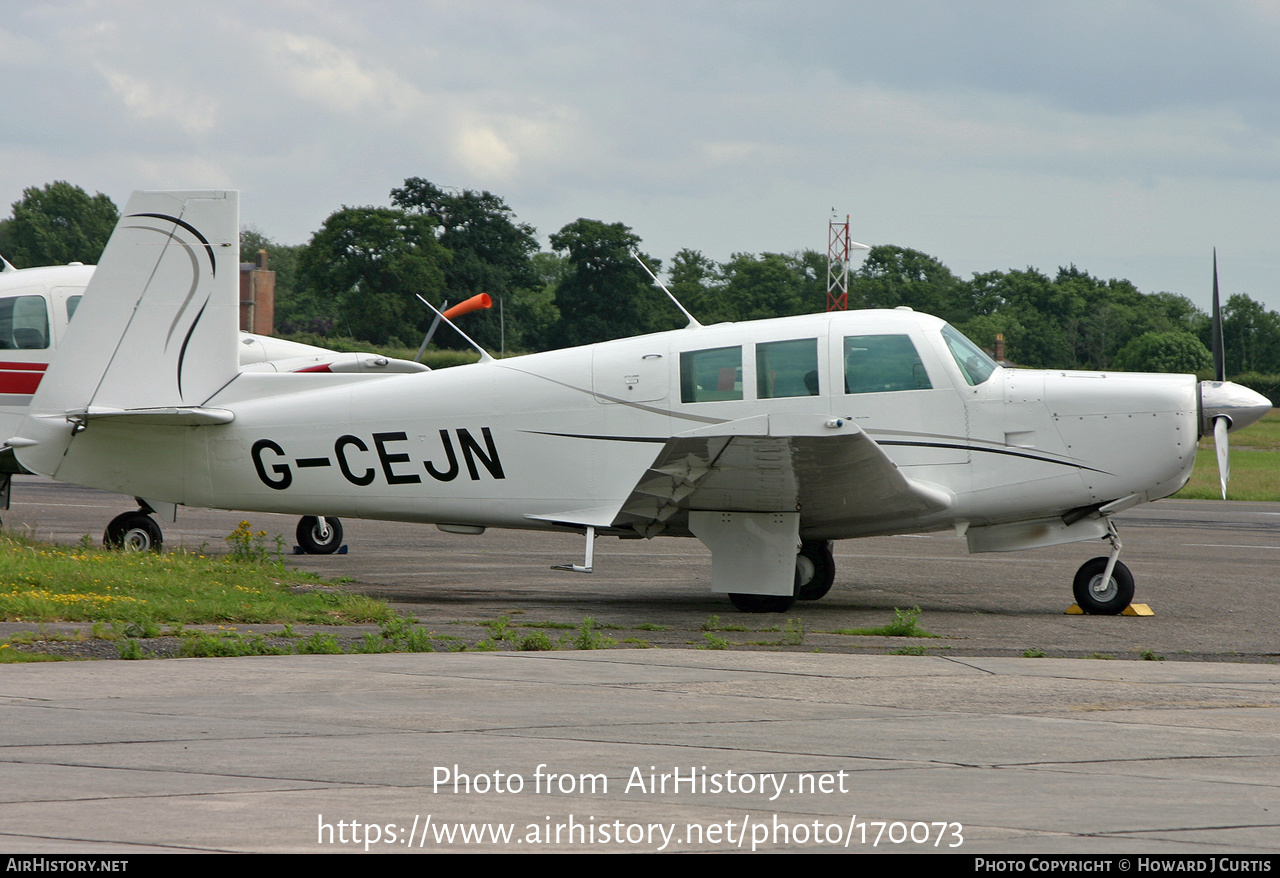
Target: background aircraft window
[24, 323]
[878, 363]
[787, 368]
[73, 302]
[713, 374]
[975, 366]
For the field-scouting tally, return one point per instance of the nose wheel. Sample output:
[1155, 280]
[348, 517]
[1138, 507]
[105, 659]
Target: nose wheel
[1104, 586]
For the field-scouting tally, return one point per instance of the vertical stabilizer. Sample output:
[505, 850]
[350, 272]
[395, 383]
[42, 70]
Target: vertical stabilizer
[157, 324]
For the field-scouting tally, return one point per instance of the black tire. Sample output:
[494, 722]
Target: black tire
[313, 540]
[133, 532]
[762, 603]
[1096, 600]
[815, 570]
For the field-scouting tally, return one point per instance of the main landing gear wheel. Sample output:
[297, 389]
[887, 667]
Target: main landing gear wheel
[1103, 599]
[319, 536]
[815, 570]
[133, 532]
[762, 603]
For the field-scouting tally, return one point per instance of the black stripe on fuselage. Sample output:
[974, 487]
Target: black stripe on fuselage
[662, 439]
[1004, 451]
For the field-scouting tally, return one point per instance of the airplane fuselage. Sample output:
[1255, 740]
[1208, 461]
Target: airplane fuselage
[494, 444]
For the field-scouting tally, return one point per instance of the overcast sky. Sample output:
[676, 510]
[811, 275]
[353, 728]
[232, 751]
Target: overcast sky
[1128, 138]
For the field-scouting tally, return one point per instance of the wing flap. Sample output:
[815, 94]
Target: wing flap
[828, 469]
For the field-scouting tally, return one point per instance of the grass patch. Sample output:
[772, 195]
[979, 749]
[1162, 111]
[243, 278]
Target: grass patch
[11, 656]
[590, 638]
[1255, 475]
[536, 641]
[713, 623]
[793, 634]
[47, 583]
[904, 624]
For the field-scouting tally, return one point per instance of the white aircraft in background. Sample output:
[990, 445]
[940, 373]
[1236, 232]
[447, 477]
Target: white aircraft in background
[36, 306]
[766, 440]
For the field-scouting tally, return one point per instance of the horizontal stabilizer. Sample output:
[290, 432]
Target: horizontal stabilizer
[165, 416]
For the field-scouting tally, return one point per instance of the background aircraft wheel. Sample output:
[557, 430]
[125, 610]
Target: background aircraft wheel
[762, 603]
[1097, 598]
[133, 532]
[318, 539]
[815, 570]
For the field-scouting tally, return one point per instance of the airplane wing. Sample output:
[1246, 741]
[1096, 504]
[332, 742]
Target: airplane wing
[827, 469]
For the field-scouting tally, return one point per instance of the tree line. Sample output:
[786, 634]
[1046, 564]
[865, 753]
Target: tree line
[358, 275]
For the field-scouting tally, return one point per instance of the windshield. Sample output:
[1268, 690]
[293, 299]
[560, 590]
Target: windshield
[975, 366]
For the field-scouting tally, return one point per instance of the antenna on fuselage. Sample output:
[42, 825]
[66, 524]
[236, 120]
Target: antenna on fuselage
[485, 356]
[7, 265]
[693, 321]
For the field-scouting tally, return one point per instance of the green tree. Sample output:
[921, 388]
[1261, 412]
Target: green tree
[892, 276]
[1172, 351]
[1029, 310]
[364, 267]
[532, 316]
[695, 280]
[492, 252]
[1250, 336]
[768, 285]
[605, 294]
[57, 224]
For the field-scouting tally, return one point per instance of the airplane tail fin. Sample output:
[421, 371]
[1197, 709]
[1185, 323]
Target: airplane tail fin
[157, 324]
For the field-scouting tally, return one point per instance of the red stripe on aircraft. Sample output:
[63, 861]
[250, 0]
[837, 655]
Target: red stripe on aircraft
[24, 367]
[19, 382]
[324, 368]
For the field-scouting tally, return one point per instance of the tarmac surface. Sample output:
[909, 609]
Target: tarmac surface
[970, 745]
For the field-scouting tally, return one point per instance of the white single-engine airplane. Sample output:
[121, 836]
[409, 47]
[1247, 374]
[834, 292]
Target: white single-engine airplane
[766, 440]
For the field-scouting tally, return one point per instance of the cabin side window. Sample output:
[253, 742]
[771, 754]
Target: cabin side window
[787, 368]
[711, 375]
[975, 366]
[24, 323]
[880, 363]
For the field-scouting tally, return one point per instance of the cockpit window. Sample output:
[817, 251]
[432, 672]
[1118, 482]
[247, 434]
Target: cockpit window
[975, 366]
[24, 323]
[711, 375]
[880, 363]
[787, 368]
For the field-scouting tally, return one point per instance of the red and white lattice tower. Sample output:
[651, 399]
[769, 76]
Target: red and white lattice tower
[838, 265]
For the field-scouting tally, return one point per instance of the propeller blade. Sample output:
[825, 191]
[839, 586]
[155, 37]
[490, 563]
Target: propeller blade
[1220, 443]
[1219, 359]
[435, 324]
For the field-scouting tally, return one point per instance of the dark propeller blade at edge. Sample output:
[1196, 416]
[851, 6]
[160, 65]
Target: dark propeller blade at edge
[1219, 362]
